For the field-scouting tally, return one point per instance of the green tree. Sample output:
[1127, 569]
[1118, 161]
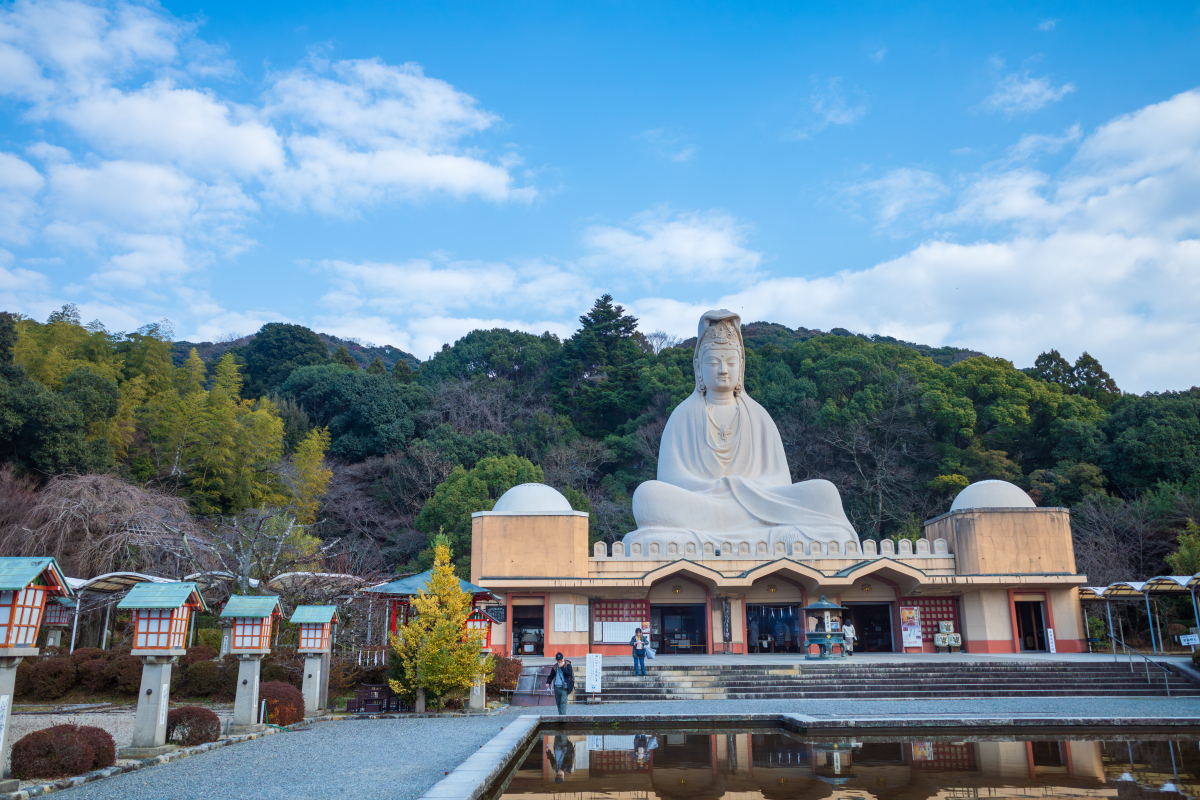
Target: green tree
[343, 357]
[438, 654]
[376, 367]
[449, 510]
[1186, 558]
[275, 351]
[402, 372]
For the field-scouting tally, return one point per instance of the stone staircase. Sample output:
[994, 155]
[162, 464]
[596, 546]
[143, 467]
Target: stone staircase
[888, 681]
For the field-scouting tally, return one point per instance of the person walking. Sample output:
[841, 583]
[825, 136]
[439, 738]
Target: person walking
[562, 756]
[848, 633]
[562, 679]
[639, 642]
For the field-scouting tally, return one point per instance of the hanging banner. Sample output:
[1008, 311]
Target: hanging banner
[726, 622]
[1050, 639]
[910, 625]
[595, 666]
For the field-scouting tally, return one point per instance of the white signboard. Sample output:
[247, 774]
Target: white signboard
[3, 714]
[595, 667]
[1050, 639]
[581, 752]
[581, 618]
[162, 708]
[620, 632]
[564, 617]
[598, 636]
[1192, 639]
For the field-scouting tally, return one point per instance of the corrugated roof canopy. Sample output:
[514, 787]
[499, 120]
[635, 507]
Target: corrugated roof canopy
[162, 595]
[407, 587]
[17, 573]
[322, 615]
[112, 582]
[244, 606]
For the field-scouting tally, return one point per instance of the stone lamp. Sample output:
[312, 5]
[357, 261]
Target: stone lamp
[316, 623]
[252, 619]
[25, 586]
[161, 612]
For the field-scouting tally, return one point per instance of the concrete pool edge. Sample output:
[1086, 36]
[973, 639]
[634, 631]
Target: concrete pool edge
[481, 771]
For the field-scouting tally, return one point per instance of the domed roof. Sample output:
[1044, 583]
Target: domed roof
[532, 498]
[992, 494]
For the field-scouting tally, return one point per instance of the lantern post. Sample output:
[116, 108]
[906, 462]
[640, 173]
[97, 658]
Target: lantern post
[315, 624]
[58, 619]
[251, 640]
[161, 613]
[25, 585]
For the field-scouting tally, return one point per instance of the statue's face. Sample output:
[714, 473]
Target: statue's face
[720, 367]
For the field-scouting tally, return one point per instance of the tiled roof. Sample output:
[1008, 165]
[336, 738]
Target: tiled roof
[160, 595]
[247, 606]
[319, 614]
[17, 573]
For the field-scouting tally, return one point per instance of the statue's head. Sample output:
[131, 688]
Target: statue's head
[720, 358]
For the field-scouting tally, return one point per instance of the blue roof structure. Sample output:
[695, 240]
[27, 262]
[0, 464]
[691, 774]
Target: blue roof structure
[321, 615]
[245, 606]
[410, 586]
[161, 595]
[16, 573]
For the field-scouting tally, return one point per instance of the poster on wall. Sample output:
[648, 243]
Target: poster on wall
[564, 617]
[910, 625]
[581, 618]
[620, 632]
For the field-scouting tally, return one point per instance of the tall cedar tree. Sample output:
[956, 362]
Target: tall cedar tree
[436, 650]
[377, 367]
[342, 356]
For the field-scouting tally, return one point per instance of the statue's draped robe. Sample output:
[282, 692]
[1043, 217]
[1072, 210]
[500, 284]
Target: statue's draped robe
[739, 490]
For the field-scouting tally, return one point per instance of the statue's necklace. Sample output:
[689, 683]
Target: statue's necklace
[724, 431]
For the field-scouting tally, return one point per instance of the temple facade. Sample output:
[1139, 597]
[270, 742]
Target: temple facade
[992, 575]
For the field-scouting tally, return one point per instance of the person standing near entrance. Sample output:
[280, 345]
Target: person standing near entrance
[639, 643]
[848, 633]
[562, 678]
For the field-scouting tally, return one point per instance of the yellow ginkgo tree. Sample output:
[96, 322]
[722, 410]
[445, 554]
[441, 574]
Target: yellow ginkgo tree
[438, 655]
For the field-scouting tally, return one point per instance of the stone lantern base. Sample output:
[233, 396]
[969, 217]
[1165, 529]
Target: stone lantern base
[245, 704]
[154, 697]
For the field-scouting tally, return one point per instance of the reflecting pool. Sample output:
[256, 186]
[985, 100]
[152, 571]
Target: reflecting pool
[771, 763]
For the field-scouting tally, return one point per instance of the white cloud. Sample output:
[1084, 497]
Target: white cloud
[830, 105]
[1102, 256]
[1021, 93]
[879, 55]
[1047, 25]
[20, 184]
[659, 244]
[900, 193]
[668, 144]
[1034, 144]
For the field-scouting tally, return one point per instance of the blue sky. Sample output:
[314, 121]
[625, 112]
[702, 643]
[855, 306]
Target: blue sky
[1004, 177]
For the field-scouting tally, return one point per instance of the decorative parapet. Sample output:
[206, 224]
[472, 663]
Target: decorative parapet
[762, 552]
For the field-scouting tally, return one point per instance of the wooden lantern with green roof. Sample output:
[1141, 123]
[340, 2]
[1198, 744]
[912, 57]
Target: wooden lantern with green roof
[252, 620]
[252, 617]
[316, 628]
[161, 613]
[26, 584]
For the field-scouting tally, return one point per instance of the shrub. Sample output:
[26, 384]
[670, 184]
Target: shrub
[24, 684]
[57, 752]
[198, 653]
[505, 674]
[88, 654]
[229, 676]
[125, 672]
[52, 677]
[285, 704]
[193, 725]
[104, 749]
[209, 637]
[203, 678]
[284, 665]
[93, 675]
[1196, 657]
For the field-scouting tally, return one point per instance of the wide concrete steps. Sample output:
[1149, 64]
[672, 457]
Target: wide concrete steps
[883, 681]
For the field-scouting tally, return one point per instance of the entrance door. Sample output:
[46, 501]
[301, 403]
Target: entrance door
[774, 628]
[678, 629]
[1031, 625]
[528, 630]
[873, 624]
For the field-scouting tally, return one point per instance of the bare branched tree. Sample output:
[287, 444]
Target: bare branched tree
[1118, 540]
[661, 340]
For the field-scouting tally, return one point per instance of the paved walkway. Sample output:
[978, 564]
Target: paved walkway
[369, 759]
[857, 658]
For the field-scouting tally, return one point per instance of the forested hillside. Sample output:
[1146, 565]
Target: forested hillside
[413, 448]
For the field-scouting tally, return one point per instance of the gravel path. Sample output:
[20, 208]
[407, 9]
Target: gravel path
[400, 759]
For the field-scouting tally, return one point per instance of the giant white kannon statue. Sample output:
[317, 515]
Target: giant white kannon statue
[722, 472]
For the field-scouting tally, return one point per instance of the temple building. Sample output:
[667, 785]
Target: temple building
[994, 570]
[728, 551]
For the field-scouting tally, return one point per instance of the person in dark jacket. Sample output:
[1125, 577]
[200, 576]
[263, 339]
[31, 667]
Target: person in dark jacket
[639, 642]
[562, 680]
[562, 756]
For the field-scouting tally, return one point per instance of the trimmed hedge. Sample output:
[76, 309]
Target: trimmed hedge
[62, 751]
[52, 677]
[93, 675]
[203, 678]
[126, 673]
[285, 704]
[193, 725]
[196, 654]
